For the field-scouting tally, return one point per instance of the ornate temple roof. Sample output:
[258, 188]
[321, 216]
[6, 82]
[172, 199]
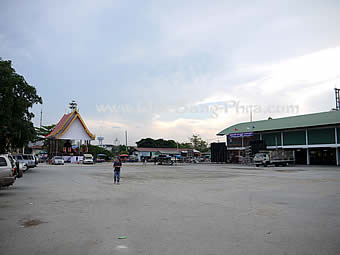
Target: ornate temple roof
[71, 126]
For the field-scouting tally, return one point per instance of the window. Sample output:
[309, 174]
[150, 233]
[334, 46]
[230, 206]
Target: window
[3, 161]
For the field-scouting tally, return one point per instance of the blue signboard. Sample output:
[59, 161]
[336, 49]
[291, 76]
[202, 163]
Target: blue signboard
[145, 153]
[246, 134]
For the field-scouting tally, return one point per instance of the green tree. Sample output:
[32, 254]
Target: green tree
[16, 99]
[198, 143]
[185, 145]
[43, 131]
[95, 150]
[159, 143]
[119, 149]
[131, 150]
[146, 143]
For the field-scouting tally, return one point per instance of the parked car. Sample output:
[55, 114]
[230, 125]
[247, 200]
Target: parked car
[31, 158]
[57, 160]
[18, 167]
[88, 159]
[132, 158]
[100, 158]
[6, 171]
[19, 160]
[164, 160]
[25, 159]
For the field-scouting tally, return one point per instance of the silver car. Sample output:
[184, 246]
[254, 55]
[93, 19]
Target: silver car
[57, 160]
[6, 171]
[27, 159]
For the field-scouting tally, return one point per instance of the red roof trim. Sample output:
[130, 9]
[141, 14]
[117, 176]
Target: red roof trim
[59, 124]
[36, 147]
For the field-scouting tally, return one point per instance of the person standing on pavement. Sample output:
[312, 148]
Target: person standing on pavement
[116, 172]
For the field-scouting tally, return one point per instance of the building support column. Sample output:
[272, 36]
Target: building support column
[281, 139]
[308, 157]
[54, 147]
[336, 148]
[242, 147]
[307, 150]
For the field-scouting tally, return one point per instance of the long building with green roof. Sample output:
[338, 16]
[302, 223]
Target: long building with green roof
[314, 137]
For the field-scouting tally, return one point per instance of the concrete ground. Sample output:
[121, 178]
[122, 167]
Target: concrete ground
[184, 209]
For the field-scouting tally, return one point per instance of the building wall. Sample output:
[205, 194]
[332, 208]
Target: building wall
[272, 139]
[294, 138]
[321, 136]
[76, 132]
[315, 136]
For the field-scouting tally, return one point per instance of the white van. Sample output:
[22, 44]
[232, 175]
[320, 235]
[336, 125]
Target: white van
[88, 159]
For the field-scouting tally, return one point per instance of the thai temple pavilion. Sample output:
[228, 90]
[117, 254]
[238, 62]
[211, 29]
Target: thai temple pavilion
[70, 136]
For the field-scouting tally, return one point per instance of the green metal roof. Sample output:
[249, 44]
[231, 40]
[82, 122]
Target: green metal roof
[300, 121]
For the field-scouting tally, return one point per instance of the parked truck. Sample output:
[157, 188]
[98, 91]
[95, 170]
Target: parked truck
[275, 157]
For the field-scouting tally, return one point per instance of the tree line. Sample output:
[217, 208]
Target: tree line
[195, 142]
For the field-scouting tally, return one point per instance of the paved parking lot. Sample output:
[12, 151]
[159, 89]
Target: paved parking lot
[185, 209]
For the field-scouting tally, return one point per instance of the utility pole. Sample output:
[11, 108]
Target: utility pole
[41, 118]
[116, 146]
[126, 139]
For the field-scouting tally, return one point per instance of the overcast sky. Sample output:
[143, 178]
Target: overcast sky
[173, 68]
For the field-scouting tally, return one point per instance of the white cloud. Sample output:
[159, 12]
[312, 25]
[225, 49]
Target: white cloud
[290, 83]
[321, 67]
[306, 82]
[175, 54]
